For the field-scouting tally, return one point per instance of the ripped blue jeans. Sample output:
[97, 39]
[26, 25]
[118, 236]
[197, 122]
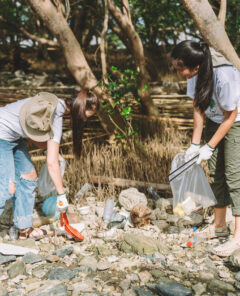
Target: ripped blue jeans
[15, 161]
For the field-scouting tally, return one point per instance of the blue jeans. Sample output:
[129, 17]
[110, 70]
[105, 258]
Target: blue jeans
[15, 161]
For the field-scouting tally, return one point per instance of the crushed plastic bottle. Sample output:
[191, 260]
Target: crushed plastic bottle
[153, 193]
[13, 233]
[108, 210]
[196, 239]
[83, 190]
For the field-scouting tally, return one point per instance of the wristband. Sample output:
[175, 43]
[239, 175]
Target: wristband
[195, 144]
[210, 147]
[62, 194]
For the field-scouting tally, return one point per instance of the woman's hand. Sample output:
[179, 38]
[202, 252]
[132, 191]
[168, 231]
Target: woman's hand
[205, 153]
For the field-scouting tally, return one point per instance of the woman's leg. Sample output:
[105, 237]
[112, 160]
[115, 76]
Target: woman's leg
[216, 167]
[232, 171]
[220, 217]
[7, 172]
[24, 198]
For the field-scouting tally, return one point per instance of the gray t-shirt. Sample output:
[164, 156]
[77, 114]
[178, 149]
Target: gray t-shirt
[226, 92]
[10, 127]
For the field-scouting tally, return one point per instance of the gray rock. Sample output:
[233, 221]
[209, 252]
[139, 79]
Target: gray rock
[103, 265]
[158, 214]
[133, 277]
[237, 276]
[130, 197]
[129, 292]
[31, 258]
[157, 273]
[61, 273]
[192, 220]
[87, 285]
[89, 262]
[7, 259]
[140, 244]
[51, 288]
[161, 224]
[64, 251]
[220, 286]
[125, 284]
[234, 259]
[6, 218]
[141, 292]
[164, 204]
[237, 285]
[170, 289]
[16, 269]
[3, 291]
[205, 276]
[39, 272]
[199, 289]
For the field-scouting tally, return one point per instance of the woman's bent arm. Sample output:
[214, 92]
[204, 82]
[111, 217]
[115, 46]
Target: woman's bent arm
[224, 127]
[198, 121]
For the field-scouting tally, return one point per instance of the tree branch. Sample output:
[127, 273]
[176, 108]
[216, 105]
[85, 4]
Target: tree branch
[103, 42]
[31, 36]
[39, 39]
[222, 12]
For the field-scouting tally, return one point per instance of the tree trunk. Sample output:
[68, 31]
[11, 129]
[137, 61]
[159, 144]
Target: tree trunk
[125, 23]
[212, 30]
[76, 62]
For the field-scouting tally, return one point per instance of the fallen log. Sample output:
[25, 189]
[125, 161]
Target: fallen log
[128, 183]
[43, 157]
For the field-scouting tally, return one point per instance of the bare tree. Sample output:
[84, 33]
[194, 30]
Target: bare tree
[123, 18]
[53, 17]
[212, 28]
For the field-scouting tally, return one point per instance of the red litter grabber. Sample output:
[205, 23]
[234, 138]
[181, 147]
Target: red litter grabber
[62, 205]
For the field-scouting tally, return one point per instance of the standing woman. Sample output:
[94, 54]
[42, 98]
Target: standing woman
[38, 119]
[216, 96]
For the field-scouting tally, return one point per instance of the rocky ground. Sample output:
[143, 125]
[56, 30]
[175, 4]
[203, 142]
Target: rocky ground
[115, 258]
[118, 259]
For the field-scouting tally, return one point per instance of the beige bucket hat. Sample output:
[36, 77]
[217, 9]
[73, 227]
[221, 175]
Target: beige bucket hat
[36, 116]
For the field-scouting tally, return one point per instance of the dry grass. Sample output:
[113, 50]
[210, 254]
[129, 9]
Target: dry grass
[148, 159]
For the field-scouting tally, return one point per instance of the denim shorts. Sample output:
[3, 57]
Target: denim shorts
[15, 161]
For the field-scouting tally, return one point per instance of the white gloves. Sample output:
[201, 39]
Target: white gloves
[205, 153]
[192, 151]
[62, 203]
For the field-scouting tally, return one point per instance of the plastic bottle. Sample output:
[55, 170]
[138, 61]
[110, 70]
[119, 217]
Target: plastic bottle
[13, 233]
[108, 210]
[84, 189]
[153, 192]
[196, 239]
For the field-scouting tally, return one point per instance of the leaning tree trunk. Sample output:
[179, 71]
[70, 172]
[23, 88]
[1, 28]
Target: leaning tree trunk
[76, 62]
[123, 18]
[212, 29]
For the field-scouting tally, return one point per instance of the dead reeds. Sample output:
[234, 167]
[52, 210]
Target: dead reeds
[147, 158]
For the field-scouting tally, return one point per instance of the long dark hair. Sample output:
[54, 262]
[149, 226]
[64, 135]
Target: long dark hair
[192, 54]
[85, 101]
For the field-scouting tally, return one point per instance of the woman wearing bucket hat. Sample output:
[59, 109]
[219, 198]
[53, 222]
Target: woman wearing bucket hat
[38, 119]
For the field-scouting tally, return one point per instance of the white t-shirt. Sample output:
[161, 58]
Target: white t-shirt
[11, 129]
[226, 92]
